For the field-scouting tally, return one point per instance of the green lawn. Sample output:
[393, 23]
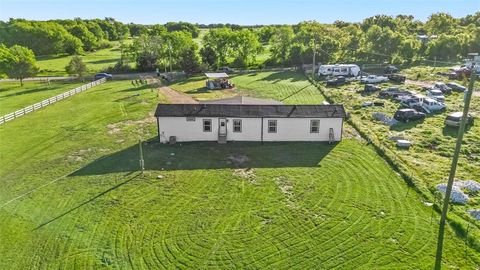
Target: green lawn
[72, 197]
[289, 87]
[54, 65]
[14, 97]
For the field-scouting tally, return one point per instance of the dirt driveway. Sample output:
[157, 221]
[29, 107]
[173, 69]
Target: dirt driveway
[175, 96]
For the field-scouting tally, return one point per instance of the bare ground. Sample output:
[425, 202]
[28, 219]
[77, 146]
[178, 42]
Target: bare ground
[175, 96]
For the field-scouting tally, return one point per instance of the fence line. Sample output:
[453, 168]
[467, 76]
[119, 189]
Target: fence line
[48, 101]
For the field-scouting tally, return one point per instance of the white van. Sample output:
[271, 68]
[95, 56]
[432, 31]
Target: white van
[339, 70]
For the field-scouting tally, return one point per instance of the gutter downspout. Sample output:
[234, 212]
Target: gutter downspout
[261, 132]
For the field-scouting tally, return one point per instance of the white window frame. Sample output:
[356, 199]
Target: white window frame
[210, 125]
[312, 126]
[239, 125]
[275, 125]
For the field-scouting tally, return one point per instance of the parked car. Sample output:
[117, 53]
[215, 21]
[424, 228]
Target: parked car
[413, 101]
[374, 79]
[369, 88]
[407, 115]
[456, 87]
[398, 78]
[442, 87]
[454, 119]
[337, 81]
[226, 70]
[431, 105]
[391, 69]
[436, 95]
[99, 76]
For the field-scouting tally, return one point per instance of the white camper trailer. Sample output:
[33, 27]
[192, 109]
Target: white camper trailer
[339, 70]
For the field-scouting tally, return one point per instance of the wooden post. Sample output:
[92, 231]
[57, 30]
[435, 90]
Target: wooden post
[453, 168]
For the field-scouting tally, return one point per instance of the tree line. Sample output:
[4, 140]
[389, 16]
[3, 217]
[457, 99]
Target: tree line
[76, 36]
[177, 45]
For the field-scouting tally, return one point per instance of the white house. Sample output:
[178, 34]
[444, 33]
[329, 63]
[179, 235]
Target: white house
[249, 122]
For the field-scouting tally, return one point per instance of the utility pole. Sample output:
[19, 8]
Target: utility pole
[142, 162]
[448, 192]
[170, 55]
[313, 64]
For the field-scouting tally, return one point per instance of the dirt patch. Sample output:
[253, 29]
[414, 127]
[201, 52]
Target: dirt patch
[247, 173]
[140, 125]
[175, 96]
[286, 187]
[350, 133]
[420, 83]
[237, 160]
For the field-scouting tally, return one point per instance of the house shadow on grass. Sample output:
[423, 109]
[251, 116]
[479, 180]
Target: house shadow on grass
[210, 155]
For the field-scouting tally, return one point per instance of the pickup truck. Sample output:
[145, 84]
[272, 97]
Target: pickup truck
[374, 79]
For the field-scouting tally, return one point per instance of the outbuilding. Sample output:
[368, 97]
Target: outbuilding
[249, 122]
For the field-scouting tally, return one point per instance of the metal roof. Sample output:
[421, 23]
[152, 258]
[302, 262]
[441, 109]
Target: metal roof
[216, 75]
[241, 100]
[250, 111]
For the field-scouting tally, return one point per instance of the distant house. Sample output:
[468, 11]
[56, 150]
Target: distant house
[247, 122]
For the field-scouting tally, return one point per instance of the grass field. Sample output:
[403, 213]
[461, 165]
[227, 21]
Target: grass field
[289, 87]
[14, 97]
[54, 65]
[72, 196]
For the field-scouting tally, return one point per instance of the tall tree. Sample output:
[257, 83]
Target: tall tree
[281, 43]
[23, 63]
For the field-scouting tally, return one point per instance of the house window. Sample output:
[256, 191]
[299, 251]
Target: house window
[237, 125]
[190, 119]
[272, 126]
[314, 126]
[207, 125]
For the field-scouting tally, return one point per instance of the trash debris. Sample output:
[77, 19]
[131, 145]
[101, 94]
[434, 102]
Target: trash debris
[389, 121]
[457, 196]
[475, 213]
[404, 143]
[469, 185]
[160, 176]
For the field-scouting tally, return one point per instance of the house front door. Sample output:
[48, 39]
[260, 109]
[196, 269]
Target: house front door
[222, 126]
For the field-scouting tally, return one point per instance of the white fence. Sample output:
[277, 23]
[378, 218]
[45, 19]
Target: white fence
[48, 101]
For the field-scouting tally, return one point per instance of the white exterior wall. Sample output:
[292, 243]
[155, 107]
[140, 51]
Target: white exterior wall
[288, 129]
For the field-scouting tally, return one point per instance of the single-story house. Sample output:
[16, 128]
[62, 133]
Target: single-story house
[240, 122]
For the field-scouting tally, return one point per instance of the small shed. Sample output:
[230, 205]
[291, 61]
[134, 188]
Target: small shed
[218, 81]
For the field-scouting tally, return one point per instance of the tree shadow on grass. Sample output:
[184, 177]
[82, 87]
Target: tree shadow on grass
[86, 202]
[103, 61]
[210, 155]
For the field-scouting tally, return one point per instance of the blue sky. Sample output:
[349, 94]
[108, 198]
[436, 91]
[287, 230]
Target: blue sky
[244, 12]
